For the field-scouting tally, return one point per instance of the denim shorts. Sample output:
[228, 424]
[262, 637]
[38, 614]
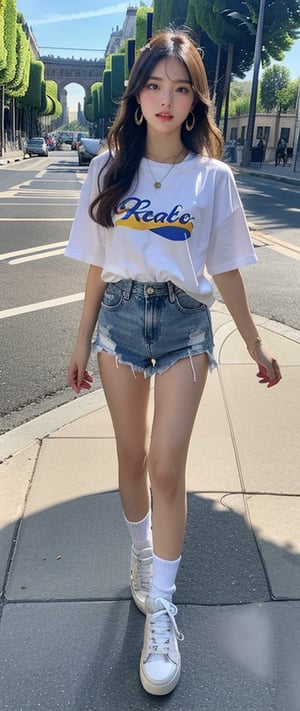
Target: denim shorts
[150, 326]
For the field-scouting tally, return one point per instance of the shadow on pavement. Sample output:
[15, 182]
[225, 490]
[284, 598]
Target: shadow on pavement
[70, 636]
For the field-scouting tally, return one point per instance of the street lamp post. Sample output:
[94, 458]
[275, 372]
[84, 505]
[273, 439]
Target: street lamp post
[296, 148]
[246, 157]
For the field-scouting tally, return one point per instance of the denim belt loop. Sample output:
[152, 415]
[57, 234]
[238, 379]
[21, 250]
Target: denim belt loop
[127, 288]
[171, 291]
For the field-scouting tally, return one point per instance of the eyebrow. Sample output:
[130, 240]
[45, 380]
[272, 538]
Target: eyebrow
[175, 81]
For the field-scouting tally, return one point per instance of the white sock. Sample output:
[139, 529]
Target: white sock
[140, 532]
[164, 576]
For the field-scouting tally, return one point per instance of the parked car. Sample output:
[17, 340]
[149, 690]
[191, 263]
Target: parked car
[35, 147]
[77, 139]
[88, 149]
[67, 137]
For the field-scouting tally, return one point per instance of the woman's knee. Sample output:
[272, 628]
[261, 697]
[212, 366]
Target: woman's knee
[132, 464]
[166, 479]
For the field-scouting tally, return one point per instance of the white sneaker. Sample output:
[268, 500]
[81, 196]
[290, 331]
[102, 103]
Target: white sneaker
[160, 663]
[140, 576]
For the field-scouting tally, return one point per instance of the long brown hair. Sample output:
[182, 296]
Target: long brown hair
[126, 140]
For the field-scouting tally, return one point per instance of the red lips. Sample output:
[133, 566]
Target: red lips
[164, 117]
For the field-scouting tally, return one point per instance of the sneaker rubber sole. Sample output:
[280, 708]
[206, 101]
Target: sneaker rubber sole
[157, 688]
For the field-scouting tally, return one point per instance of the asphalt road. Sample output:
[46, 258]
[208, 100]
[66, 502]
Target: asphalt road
[41, 291]
[38, 198]
[273, 211]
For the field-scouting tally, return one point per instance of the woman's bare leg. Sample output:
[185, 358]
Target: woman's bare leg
[127, 396]
[177, 398]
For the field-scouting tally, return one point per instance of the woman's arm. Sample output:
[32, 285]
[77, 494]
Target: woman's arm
[78, 376]
[232, 290]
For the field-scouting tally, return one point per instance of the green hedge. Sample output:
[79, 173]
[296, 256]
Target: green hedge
[54, 107]
[88, 109]
[33, 96]
[129, 56]
[3, 50]
[108, 106]
[117, 76]
[141, 27]
[169, 12]
[95, 92]
[9, 38]
[19, 84]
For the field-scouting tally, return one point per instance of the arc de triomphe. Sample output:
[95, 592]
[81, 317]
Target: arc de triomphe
[79, 71]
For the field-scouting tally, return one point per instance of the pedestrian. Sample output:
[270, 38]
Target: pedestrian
[280, 155]
[156, 208]
[260, 151]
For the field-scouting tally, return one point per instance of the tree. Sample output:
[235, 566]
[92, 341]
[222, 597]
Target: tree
[166, 12]
[214, 18]
[274, 82]
[234, 28]
[281, 24]
[10, 35]
[19, 82]
[236, 39]
[239, 102]
[141, 27]
[293, 91]
[277, 92]
[8, 30]
[3, 50]
[31, 102]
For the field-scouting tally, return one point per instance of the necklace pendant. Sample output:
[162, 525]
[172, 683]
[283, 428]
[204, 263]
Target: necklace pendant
[157, 184]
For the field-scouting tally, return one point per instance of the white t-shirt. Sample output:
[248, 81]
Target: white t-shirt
[194, 221]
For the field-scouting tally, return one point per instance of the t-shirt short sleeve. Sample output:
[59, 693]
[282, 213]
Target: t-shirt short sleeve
[230, 245]
[87, 238]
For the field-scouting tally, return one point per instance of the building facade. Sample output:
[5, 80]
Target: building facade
[267, 127]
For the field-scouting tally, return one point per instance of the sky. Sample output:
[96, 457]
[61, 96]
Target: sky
[75, 24]
[86, 32]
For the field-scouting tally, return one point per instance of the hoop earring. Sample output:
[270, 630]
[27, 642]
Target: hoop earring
[138, 119]
[190, 126]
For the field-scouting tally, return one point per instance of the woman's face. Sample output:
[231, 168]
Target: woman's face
[168, 97]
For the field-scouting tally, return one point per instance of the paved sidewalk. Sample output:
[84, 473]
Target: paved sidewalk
[10, 157]
[70, 636]
[268, 170]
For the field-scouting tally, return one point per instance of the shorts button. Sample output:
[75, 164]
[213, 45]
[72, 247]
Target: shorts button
[150, 290]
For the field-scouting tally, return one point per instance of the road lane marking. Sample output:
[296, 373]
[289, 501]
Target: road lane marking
[31, 204]
[272, 239]
[71, 199]
[286, 251]
[30, 250]
[52, 178]
[36, 219]
[39, 306]
[36, 193]
[277, 245]
[33, 257]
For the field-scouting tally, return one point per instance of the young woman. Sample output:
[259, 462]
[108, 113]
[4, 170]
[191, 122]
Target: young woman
[156, 208]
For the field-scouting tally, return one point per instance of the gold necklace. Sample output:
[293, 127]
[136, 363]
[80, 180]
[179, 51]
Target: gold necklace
[157, 183]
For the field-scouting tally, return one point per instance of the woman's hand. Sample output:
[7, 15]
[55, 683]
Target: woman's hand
[269, 371]
[232, 289]
[78, 376]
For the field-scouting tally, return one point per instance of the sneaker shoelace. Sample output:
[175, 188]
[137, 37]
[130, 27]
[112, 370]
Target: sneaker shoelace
[141, 572]
[161, 624]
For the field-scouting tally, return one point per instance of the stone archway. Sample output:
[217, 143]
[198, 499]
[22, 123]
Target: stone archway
[68, 71]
